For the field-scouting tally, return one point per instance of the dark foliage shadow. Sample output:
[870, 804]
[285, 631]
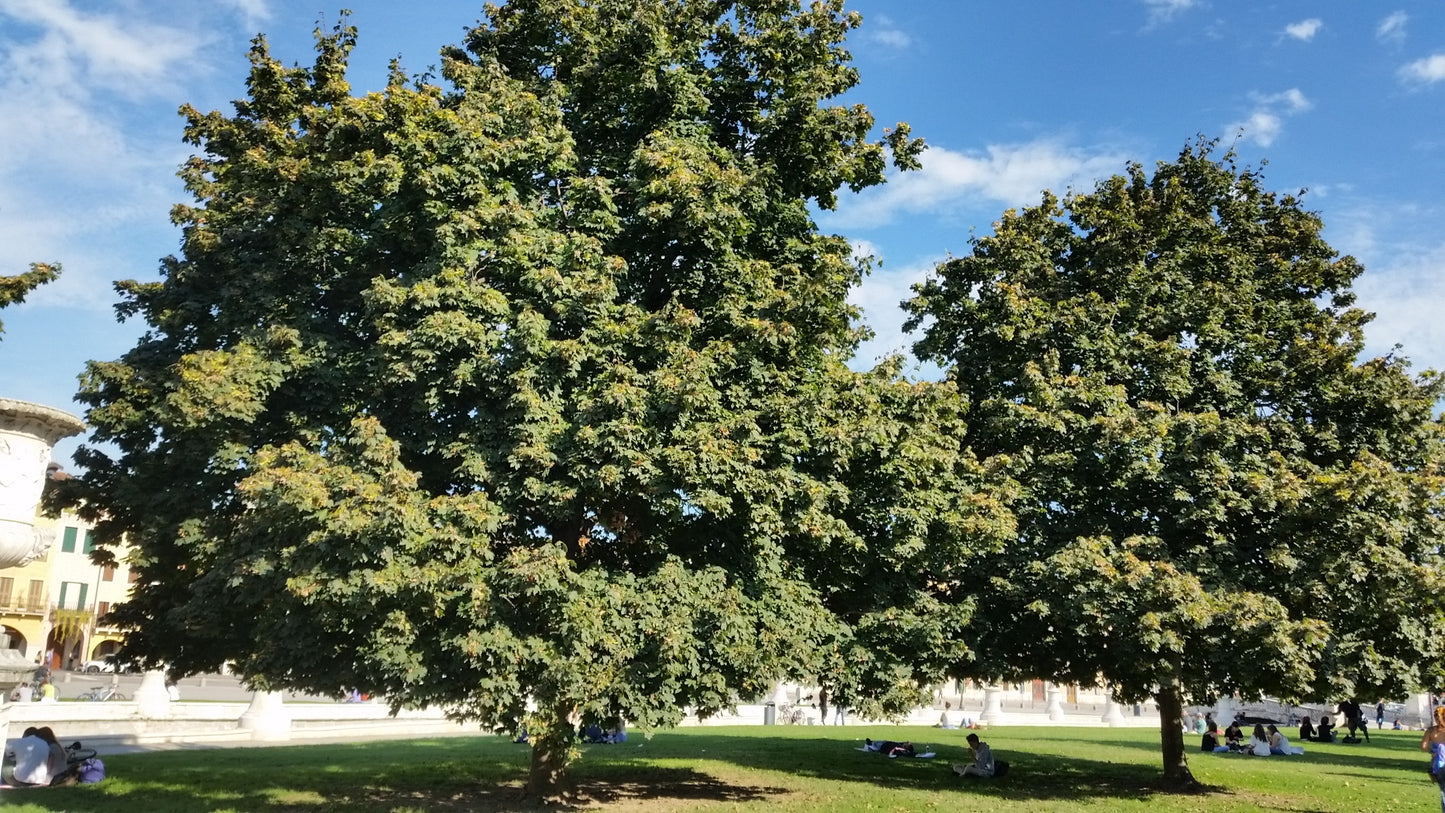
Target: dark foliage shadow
[1031, 777]
[436, 776]
[486, 774]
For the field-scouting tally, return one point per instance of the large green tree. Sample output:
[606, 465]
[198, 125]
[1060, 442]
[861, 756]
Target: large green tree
[524, 393]
[1217, 494]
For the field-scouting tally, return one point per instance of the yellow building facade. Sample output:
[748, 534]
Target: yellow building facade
[50, 608]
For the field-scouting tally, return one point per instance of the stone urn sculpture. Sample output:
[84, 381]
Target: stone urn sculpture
[27, 433]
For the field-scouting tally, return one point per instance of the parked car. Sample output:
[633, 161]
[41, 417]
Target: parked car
[103, 665]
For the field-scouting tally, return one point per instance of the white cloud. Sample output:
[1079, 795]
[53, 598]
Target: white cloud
[1265, 123]
[1405, 293]
[1304, 30]
[879, 296]
[123, 54]
[864, 249]
[1392, 28]
[253, 12]
[882, 30]
[87, 120]
[1429, 70]
[1261, 127]
[1012, 174]
[1162, 11]
[1293, 100]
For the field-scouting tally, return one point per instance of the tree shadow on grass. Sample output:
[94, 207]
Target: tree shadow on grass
[672, 784]
[449, 777]
[1032, 777]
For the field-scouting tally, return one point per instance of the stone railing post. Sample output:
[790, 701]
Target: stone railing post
[992, 706]
[267, 717]
[1056, 706]
[151, 698]
[1113, 715]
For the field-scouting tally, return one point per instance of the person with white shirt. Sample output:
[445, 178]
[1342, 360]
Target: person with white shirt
[1278, 742]
[1259, 742]
[35, 759]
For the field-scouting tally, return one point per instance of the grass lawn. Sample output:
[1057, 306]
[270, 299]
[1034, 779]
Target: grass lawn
[754, 768]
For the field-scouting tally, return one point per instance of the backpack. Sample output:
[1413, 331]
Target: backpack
[1000, 769]
[91, 771]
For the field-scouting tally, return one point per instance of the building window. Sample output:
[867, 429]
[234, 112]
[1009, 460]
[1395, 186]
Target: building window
[67, 542]
[89, 542]
[72, 595]
[101, 608]
[36, 601]
[107, 574]
[132, 577]
[7, 586]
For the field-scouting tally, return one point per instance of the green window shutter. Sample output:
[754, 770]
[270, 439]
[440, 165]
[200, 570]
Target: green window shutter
[89, 542]
[64, 586]
[67, 544]
[80, 605]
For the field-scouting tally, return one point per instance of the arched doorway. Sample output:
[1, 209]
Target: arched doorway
[12, 639]
[62, 657]
[104, 649]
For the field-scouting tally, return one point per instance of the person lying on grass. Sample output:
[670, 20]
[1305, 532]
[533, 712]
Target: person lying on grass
[889, 747]
[982, 759]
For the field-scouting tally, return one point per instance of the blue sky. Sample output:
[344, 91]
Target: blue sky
[1342, 98]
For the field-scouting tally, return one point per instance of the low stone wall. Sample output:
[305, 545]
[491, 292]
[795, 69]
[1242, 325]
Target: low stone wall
[111, 725]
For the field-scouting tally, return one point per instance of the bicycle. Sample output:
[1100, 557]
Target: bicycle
[101, 693]
[75, 753]
[791, 714]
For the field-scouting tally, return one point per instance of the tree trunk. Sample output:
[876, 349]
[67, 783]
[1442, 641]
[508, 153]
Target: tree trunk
[1171, 737]
[551, 751]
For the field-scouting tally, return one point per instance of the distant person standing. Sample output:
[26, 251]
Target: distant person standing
[1379, 715]
[1355, 719]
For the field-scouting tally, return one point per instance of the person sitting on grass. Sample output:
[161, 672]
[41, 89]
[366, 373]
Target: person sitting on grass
[1306, 729]
[1325, 731]
[1233, 737]
[983, 764]
[1278, 742]
[37, 759]
[943, 719]
[1259, 742]
[1209, 743]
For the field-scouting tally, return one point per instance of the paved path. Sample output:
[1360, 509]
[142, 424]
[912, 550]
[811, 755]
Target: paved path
[198, 687]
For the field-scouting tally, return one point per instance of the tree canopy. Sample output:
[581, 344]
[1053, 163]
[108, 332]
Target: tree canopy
[13, 289]
[524, 392]
[1216, 493]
